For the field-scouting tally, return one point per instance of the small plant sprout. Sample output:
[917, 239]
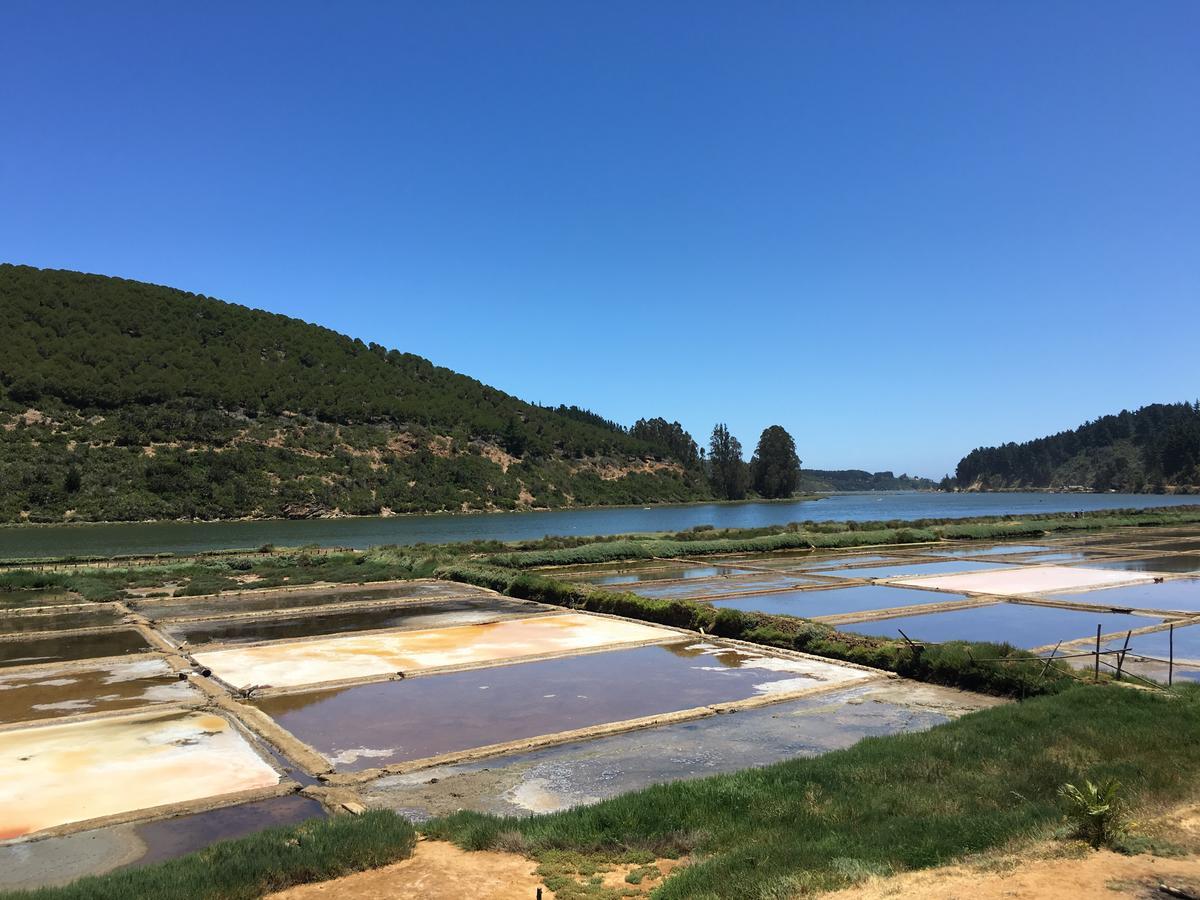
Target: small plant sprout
[1095, 810]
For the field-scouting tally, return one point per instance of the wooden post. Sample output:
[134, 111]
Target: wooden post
[1121, 655]
[1096, 677]
[1171, 656]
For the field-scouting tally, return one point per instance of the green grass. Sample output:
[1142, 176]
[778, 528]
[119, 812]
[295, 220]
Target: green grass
[255, 865]
[886, 804]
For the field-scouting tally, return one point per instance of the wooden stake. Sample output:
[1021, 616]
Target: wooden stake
[1097, 675]
[1121, 655]
[1171, 656]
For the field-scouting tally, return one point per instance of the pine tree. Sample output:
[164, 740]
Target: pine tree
[775, 467]
[727, 469]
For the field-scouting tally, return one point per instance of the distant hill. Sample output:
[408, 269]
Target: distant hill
[121, 400]
[1155, 448]
[859, 480]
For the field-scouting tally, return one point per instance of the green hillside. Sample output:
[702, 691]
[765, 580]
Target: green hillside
[861, 480]
[121, 400]
[1155, 448]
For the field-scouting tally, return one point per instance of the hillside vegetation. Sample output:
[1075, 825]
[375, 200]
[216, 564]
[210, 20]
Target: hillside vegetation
[121, 400]
[1155, 448]
[860, 480]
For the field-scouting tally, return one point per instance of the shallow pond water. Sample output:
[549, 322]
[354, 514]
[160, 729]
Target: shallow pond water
[270, 600]
[589, 771]
[1184, 564]
[1020, 625]
[1063, 556]
[55, 861]
[26, 696]
[733, 584]
[23, 599]
[916, 569]
[835, 602]
[996, 550]
[411, 614]
[811, 561]
[31, 651]
[376, 724]
[1157, 644]
[171, 838]
[57, 621]
[1181, 594]
[659, 574]
[1176, 546]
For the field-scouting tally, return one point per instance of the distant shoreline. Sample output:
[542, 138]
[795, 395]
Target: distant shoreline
[798, 498]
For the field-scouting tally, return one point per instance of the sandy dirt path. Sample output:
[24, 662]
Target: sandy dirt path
[436, 871]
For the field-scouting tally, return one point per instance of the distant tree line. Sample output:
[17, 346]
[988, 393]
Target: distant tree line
[1154, 448]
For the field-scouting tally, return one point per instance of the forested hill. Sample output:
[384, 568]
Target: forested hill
[121, 400]
[1155, 448]
[860, 480]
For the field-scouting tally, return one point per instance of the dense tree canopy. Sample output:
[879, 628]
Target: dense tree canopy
[1152, 448]
[125, 400]
[726, 468]
[775, 467]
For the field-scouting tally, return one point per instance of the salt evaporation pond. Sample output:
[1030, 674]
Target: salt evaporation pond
[835, 601]
[59, 648]
[376, 724]
[1182, 594]
[412, 614]
[1020, 625]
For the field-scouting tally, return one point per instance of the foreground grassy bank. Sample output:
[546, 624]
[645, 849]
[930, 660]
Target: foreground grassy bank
[252, 866]
[885, 805]
[795, 828]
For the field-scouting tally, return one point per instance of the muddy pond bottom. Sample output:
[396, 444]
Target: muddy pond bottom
[299, 598]
[397, 721]
[57, 620]
[63, 647]
[62, 773]
[74, 689]
[411, 614]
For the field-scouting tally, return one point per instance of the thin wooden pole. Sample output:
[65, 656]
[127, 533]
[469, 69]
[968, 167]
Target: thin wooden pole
[1171, 657]
[1121, 656]
[1097, 675]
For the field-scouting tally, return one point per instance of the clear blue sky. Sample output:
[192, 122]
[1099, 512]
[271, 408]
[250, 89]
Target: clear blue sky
[901, 230]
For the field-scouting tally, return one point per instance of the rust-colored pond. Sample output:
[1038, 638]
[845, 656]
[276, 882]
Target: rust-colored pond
[376, 724]
[410, 614]
[59, 648]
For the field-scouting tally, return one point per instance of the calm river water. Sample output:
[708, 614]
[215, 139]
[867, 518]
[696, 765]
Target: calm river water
[186, 537]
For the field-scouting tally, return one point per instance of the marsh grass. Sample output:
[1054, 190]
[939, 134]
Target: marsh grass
[255, 865]
[894, 803]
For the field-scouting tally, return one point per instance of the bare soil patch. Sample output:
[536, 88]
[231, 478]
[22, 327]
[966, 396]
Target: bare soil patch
[436, 871]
